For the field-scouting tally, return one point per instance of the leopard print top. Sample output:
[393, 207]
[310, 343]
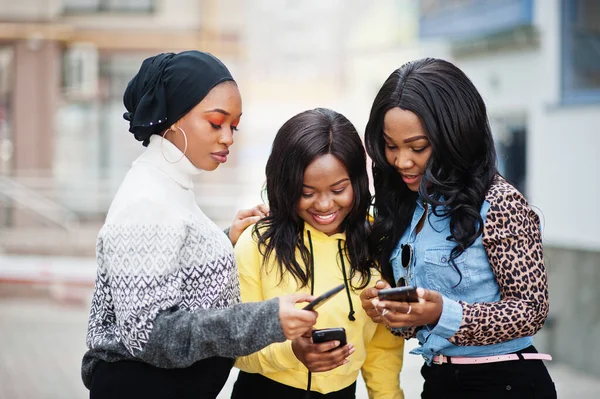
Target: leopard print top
[513, 243]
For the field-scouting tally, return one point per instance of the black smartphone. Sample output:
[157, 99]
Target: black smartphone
[399, 294]
[330, 334]
[324, 298]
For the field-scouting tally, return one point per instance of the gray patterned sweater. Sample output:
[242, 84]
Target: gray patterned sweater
[167, 290]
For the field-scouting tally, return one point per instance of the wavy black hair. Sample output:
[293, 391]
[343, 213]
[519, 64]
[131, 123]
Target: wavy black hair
[461, 167]
[298, 142]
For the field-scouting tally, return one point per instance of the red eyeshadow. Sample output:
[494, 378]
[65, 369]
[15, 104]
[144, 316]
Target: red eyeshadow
[217, 119]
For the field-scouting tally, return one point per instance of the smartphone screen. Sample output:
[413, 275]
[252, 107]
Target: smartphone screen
[399, 294]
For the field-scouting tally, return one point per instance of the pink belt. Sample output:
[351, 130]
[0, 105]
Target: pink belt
[489, 359]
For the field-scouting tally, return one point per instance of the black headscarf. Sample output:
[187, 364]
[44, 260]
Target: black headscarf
[168, 86]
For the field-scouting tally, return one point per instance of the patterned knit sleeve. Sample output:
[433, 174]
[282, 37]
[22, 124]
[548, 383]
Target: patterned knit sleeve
[137, 296]
[512, 240]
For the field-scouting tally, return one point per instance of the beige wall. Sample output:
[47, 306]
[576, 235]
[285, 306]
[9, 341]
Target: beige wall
[31, 10]
[168, 14]
[35, 98]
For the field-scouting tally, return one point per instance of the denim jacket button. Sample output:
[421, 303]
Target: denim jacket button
[444, 259]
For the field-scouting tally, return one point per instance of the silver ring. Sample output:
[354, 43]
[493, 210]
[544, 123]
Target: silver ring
[409, 309]
[385, 311]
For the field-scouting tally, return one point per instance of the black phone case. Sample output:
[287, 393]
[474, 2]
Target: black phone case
[323, 298]
[399, 294]
[330, 334]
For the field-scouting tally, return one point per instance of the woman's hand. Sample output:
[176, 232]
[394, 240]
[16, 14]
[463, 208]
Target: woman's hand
[321, 357]
[404, 314]
[369, 300]
[295, 322]
[245, 218]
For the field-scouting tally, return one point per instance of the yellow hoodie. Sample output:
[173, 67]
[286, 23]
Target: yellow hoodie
[378, 353]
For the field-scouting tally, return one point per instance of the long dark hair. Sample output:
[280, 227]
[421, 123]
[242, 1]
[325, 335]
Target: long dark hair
[462, 165]
[298, 142]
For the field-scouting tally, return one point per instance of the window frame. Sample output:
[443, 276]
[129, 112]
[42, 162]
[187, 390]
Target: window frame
[571, 95]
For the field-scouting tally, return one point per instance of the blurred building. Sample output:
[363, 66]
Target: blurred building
[295, 59]
[537, 65]
[64, 64]
[64, 147]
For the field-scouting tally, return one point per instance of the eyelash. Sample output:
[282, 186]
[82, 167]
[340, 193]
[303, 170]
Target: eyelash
[217, 127]
[417, 150]
[335, 192]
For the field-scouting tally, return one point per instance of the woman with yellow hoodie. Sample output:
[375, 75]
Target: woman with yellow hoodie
[313, 239]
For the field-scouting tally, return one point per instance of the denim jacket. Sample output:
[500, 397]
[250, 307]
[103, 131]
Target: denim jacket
[501, 301]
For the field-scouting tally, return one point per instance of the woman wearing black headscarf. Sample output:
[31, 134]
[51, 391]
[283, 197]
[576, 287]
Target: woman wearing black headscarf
[165, 320]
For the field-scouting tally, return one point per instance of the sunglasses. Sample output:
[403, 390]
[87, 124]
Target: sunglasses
[405, 257]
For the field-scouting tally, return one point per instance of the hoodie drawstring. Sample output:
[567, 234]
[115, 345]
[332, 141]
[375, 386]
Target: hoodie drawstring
[312, 264]
[341, 252]
[312, 292]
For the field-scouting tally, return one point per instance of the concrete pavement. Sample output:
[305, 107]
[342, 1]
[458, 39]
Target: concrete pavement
[43, 319]
[42, 341]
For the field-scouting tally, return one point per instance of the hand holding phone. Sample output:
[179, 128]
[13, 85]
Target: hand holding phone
[295, 322]
[324, 298]
[318, 354]
[330, 334]
[399, 294]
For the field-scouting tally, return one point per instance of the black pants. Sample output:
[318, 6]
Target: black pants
[251, 386]
[130, 380]
[513, 379]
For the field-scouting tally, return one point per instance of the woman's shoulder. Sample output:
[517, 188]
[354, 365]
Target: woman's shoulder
[508, 207]
[503, 194]
[147, 198]
[248, 239]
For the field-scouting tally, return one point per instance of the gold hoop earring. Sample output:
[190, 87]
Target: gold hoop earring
[184, 148]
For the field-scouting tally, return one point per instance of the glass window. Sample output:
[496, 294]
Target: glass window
[581, 51]
[6, 145]
[510, 136]
[463, 19]
[93, 145]
[109, 5]
[6, 78]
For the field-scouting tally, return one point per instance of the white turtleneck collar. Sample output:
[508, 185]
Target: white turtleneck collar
[181, 171]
